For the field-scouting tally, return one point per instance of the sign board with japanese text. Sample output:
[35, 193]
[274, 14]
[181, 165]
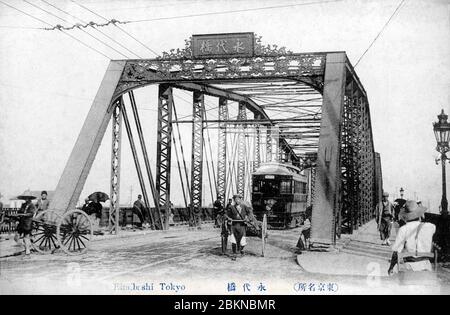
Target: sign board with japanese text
[223, 45]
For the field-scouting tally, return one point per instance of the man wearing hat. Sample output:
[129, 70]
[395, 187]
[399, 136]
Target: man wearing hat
[384, 214]
[239, 214]
[414, 237]
[26, 214]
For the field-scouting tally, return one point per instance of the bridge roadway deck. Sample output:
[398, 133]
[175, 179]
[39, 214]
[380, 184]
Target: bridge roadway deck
[191, 261]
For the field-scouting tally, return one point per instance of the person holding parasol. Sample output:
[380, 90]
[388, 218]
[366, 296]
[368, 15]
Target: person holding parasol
[25, 215]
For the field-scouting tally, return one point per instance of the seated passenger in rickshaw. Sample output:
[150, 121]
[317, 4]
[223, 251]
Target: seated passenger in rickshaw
[94, 210]
[413, 245]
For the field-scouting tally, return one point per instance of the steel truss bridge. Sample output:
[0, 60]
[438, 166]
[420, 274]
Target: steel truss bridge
[308, 109]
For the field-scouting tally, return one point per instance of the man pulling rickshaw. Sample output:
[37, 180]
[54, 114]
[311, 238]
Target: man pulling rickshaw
[239, 216]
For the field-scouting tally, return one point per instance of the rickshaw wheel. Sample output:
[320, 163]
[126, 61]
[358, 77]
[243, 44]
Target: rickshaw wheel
[74, 232]
[264, 234]
[43, 234]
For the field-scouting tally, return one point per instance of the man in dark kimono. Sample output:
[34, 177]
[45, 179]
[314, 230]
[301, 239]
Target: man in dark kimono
[139, 210]
[218, 211]
[385, 214]
[25, 227]
[239, 214]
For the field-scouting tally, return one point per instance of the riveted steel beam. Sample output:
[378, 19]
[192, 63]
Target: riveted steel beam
[257, 144]
[222, 149]
[164, 150]
[114, 208]
[197, 157]
[240, 184]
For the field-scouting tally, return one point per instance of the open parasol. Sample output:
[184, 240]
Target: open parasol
[98, 196]
[26, 195]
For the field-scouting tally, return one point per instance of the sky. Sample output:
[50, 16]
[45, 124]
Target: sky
[49, 80]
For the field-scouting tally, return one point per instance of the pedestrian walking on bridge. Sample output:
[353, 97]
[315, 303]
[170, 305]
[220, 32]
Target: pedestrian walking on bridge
[239, 214]
[385, 213]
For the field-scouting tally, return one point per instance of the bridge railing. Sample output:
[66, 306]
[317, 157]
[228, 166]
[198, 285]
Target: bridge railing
[7, 224]
[180, 216]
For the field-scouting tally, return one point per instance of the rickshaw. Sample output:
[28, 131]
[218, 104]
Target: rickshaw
[71, 231]
[259, 229]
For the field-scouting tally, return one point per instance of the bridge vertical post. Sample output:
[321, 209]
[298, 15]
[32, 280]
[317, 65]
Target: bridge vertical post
[269, 143]
[164, 150]
[354, 160]
[257, 161]
[222, 149]
[276, 152]
[370, 167]
[197, 158]
[378, 182]
[359, 156]
[364, 160]
[346, 163]
[327, 190]
[240, 184]
[116, 144]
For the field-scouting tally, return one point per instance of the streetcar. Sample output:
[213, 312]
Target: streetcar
[280, 191]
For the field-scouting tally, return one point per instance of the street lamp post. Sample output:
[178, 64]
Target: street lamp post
[441, 130]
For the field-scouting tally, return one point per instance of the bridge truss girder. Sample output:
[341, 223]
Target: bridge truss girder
[325, 73]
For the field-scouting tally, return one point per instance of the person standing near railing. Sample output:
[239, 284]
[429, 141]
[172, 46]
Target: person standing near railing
[139, 210]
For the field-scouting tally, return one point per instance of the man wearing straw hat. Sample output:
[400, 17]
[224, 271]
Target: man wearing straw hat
[385, 212]
[25, 226]
[414, 237]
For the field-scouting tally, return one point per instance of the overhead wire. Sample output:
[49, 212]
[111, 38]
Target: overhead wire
[92, 26]
[64, 20]
[397, 9]
[46, 23]
[127, 33]
[124, 32]
[231, 11]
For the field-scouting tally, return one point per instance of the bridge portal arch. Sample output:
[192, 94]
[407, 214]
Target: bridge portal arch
[330, 136]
